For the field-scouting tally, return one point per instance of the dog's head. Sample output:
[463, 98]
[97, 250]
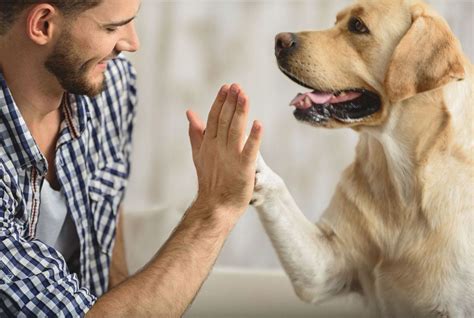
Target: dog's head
[379, 53]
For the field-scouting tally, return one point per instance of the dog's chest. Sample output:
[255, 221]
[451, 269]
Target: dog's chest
[431, 283]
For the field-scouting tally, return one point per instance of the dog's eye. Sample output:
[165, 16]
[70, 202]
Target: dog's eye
[357, 26]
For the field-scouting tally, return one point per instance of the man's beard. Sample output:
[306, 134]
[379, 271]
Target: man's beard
[70, 69]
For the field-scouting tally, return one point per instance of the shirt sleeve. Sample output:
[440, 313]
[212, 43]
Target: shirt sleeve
[34, 278]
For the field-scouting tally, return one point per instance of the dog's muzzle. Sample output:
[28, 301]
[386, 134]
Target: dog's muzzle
[319, 106]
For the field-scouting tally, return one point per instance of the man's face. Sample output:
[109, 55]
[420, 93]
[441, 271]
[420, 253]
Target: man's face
[80, 55]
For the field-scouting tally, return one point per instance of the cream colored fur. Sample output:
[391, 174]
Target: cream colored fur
[400, 227]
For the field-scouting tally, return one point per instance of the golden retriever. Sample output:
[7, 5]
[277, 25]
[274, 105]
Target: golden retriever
[400, 227]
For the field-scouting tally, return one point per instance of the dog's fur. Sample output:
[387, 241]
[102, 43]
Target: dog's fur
[400, 227]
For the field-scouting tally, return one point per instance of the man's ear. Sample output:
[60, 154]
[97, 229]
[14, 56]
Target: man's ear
[41, 23]
[427, 57]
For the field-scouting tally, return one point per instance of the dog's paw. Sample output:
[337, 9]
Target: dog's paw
[267, 183]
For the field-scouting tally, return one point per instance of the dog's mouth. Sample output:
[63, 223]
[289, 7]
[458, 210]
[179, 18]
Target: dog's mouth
[347, 106]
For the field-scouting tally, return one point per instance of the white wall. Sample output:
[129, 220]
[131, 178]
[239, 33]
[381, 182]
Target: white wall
[189, 49]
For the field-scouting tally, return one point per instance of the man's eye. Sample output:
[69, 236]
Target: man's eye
[357, 26]
[111, 30]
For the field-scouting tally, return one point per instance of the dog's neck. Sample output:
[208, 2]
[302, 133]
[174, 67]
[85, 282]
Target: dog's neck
[438, 122]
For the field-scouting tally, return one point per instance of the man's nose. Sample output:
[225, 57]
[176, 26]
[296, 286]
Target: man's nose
[130, 41]
[284, 43]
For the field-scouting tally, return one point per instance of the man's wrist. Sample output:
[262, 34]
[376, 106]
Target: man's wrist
[225, 216]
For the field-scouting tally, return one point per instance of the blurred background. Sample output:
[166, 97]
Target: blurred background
[188, 50]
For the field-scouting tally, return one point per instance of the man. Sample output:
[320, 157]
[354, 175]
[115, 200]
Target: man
[67, 104]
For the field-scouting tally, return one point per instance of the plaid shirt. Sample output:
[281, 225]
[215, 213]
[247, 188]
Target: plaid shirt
[92, 162]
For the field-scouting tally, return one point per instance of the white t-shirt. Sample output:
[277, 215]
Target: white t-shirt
[56, 227]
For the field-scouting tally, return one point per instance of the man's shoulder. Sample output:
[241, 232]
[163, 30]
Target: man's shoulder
[120, 71]
[120, 82]
[119, 95]
[114, 109]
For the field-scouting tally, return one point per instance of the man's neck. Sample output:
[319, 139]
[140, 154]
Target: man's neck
[36, 92]
[37, 95]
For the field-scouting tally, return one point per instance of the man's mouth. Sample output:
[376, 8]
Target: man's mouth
[346, 106]
[102, 65]
[104, 62]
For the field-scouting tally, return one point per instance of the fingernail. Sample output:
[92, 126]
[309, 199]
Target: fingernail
[234, 88]
[223, 91]
[256, 126]
[241, 100]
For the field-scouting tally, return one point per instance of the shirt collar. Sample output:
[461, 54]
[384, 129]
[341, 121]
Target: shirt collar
[76, 113]
[15, 137]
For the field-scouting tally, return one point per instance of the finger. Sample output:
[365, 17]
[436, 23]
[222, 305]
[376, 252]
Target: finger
[196, 131]
[252, 146]
[236, 137]
[227, 113]
[214, 113]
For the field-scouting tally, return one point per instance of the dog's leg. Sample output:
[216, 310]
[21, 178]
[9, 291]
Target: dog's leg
[309, 253]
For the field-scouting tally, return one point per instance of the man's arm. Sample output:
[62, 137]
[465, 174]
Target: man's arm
[225, 165]
[34, 278]
[118, 266]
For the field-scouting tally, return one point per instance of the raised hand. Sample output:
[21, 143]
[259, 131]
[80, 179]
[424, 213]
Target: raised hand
[224, 159]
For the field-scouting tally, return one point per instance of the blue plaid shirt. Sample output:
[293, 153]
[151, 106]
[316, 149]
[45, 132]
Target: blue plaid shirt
[92, 161]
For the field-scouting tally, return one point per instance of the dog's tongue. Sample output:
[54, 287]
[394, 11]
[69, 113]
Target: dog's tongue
[306, 100]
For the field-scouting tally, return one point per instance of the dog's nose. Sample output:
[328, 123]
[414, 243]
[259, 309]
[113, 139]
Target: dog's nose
[284, 43]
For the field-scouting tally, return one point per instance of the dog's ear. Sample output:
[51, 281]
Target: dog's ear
[427, 57]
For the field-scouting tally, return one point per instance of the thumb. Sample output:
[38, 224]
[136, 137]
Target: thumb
[250, 151]
[196, 131]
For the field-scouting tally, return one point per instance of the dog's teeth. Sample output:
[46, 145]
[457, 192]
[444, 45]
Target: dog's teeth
[307, 102]
[342, 94]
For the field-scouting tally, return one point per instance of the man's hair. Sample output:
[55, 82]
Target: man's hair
[10, 9]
